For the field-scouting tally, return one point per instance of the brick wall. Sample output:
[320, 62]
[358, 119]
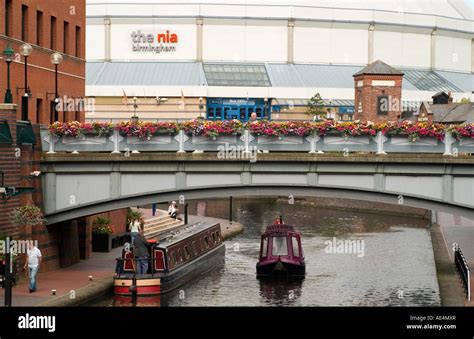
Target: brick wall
[17, 162]
[368, 94]
[71, 78]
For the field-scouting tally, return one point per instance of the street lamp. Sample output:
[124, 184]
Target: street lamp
[135, 106]
[8, 55]
[201, 106]
[25, 51]
[56, 58]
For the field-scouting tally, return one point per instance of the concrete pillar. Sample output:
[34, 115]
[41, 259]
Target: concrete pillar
[291, 34]
[68, 243]
[108, 41]
[370, 44]
[433, 49]
[199, 23]
[472, 55]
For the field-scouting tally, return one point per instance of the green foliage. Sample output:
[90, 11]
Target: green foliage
[102, 225]
[316, 107]
[133, 215]
[465, 101]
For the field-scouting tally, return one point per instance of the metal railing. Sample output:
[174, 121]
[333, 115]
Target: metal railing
[462, 267]
[247, 142]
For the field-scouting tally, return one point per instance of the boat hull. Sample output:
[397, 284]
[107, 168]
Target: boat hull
[280, 268]
[161, 283]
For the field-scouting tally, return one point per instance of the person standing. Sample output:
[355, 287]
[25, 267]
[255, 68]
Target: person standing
[134, 228]
[153, 208]
[141, 253]
[32, 264]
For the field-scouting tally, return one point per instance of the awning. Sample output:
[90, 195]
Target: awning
[5, 134]
[25, 133]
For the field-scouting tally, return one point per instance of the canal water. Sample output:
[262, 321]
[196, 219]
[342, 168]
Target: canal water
[394, 264]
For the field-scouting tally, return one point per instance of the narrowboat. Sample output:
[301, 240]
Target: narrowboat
[281, 252]
[174, 260]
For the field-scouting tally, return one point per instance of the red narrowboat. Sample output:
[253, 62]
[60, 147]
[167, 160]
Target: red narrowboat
[281, 252]
[175, 259]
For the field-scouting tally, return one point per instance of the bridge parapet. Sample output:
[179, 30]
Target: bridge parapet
[181, 142]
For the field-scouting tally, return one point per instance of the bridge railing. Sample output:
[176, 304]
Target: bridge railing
[462, 267]
[180, 142]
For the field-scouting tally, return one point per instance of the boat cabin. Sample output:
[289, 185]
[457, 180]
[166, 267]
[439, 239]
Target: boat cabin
[177, 249]
[280, 240]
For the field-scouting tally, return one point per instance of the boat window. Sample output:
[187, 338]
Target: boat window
[214, 237]
[206, 241]
[195, 249]
[180, 257]
[186, 252]
[296, 248]
[173, 258]
[279, 246]
[218, 236]
[264, 247]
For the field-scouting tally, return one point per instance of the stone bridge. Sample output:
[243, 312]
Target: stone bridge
[76, 185]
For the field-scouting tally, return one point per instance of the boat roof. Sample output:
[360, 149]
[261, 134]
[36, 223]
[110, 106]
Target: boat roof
[184, 232]
[279, 228]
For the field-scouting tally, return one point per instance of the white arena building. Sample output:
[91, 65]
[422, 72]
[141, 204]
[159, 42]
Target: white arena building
[224, 59]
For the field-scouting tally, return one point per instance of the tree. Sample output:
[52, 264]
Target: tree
[465, 101]
[316, 107]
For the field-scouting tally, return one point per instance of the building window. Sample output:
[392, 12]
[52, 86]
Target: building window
[78, 42]
[24, 22]
[53, 33]
[66, 37]
[382, 105]
[39, 111]
[8, 16]
[39, 28]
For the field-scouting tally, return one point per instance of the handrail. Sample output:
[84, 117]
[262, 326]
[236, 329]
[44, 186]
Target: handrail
[247, 144]
[462, 267]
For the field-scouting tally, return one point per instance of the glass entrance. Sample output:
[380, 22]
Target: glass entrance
[227, 109]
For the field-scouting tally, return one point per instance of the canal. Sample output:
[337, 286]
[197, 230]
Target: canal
[392, 266]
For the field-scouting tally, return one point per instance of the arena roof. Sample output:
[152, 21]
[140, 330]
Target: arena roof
[457, 9]
[257, 75]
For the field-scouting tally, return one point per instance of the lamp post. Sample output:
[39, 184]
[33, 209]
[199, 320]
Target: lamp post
[25, 51]
[134, 118]
[56, 58]
[201, 106]
[8, 55]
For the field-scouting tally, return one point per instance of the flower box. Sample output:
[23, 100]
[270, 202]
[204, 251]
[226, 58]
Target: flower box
[101, 242]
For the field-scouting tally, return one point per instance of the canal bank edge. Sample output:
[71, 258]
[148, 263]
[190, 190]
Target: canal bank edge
[450, 288]
[103, 287]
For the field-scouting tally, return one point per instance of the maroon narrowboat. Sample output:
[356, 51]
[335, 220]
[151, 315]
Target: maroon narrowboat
[174, 260]
[281, 252]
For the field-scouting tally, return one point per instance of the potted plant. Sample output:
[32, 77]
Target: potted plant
[101, 234]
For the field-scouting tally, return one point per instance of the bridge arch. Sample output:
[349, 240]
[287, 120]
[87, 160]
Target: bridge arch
[105, 205]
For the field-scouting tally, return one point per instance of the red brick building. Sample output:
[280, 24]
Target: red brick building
[48, 26]
[378, 93]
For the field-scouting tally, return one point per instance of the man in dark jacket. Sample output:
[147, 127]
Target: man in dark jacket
[141, 252]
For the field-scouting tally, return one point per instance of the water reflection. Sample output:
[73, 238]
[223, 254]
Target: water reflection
[280, 292]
